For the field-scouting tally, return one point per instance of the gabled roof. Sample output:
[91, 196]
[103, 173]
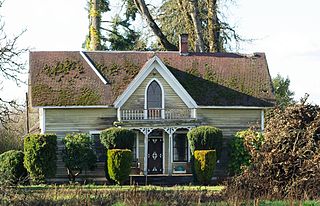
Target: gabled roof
[211, 79]
[155, 64]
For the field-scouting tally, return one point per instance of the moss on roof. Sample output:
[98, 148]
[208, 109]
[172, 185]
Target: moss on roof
[214, 79]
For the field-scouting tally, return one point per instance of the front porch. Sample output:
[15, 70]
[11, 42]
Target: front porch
[161, 150]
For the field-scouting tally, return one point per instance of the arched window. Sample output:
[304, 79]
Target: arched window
[154, 96]
[154, 100]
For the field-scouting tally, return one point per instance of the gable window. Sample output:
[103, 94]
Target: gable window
[98, 147]
[180, 147]
[154, 100]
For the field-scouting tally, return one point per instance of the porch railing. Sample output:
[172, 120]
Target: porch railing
[156, 114]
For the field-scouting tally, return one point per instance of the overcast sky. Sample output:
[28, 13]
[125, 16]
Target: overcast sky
[286, 30]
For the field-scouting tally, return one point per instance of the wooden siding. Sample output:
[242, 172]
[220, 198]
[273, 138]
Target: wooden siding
[230, 120]
[78, 120]
[63, 121]
[171, 99]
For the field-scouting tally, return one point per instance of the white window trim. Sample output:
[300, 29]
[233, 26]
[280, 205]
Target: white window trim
[188, 148]
[146, 100]
[42, 120]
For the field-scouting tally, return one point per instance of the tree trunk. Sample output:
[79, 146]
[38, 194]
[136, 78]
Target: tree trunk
[194, 13]
[94, 32]
[143, 9]
[213, 27]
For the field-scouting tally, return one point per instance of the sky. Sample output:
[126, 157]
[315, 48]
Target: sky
[287, 31]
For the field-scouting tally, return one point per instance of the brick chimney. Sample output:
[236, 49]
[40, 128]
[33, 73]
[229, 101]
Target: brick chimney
[183, 44]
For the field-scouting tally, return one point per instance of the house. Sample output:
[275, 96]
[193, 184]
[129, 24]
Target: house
[159, 95]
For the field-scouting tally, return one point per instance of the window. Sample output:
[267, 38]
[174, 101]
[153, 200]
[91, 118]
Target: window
[180, 147]
[98, 147]
[154, 96]
[134, 149]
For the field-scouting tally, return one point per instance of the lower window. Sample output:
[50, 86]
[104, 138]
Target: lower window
[180, 147]
[99, 148]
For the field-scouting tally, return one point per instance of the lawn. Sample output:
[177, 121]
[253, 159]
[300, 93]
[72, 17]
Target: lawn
[125, 196]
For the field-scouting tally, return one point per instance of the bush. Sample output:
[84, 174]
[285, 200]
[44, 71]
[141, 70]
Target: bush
[40, 156]
[117, 138]
[78, 154]
[12, 170]
[205, 138]
[204, 165]
[287, 163]
[119, 164]
[240, 146]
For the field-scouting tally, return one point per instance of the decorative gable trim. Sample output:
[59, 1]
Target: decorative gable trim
[166, 74]
[84, 56]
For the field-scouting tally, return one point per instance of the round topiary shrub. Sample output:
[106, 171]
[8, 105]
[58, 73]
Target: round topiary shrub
[40, 156]
[78, 154]
[205, 138]
[12, 170]
[117, 138]
[204, 165]
[119, 164]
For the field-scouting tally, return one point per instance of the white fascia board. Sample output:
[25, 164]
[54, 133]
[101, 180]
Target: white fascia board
[146, 69]
[75, 107]
[167, 75]
[93, 67]
[175, 84]
[233, 107]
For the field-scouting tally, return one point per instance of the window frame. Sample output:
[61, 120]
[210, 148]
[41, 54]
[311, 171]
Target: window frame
[97, 132]
[187, 148]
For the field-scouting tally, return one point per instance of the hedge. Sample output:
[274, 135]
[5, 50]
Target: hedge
[204, 165]
[40, 156]
[12, 170]
[240, 146]
[78, 154]
[119, 164]
[205, 138]
[117, 138]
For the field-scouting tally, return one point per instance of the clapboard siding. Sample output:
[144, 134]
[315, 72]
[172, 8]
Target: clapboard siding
[230, 120]
[137, 99]
[79, 120]
[63, 121]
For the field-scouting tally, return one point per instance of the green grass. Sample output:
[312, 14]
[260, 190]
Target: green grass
[123, 188]
[127, 196]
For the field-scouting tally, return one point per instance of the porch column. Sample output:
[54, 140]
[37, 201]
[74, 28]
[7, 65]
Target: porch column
[170, 131]
[146, 132]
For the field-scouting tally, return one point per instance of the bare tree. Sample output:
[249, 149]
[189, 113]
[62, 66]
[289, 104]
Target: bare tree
[11, 68]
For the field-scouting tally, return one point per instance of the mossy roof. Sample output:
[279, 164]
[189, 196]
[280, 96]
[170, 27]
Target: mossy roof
[212, 79]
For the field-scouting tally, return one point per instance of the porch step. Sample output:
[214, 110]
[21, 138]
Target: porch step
[161, 180]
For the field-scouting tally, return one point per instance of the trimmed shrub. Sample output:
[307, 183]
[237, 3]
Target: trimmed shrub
[78, 154]
[240, 146]
[119, 164]
[12, 170]
[40, 156]
[205, 138]
[117, 138]
[204, 165]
